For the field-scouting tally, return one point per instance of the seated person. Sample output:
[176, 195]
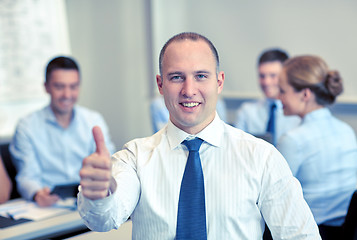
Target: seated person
[322, 151]
[5, 183]
[160, 114]
[49, 144]
[266, 115]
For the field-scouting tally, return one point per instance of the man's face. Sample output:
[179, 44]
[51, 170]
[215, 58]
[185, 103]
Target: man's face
[190, 84]
[63, 86]
[269, 78]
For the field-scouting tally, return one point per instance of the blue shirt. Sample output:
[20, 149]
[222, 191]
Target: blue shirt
[252, 117]
[46, 154]
[322, 154]
[160, 114]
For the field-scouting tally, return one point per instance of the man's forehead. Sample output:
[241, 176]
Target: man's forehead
[187, 47]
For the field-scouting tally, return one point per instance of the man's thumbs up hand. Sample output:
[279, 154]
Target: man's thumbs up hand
[96, 169]
[99, 141]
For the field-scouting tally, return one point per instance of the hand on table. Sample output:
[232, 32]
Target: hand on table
[44, 198]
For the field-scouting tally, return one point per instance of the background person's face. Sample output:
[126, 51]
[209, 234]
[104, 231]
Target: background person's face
[292, 100]
[63, 86]
[269, 78]
[190, 85]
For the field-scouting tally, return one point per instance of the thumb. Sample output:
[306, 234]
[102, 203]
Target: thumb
[99, 141]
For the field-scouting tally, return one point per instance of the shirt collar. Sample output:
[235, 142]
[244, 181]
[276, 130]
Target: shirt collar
[212, 134]
[317, 114]
[270, 101]
[50, 116]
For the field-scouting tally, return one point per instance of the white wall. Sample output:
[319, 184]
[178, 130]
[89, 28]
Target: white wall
[108, 38]
[242, 29]
[118, 47]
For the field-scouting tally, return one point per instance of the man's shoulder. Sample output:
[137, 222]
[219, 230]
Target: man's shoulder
[36, 116]
[87, 114]
[237, 134]
[86, 111]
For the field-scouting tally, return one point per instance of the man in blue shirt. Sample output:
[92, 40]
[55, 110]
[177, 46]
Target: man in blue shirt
[49, 144]
[253, 117]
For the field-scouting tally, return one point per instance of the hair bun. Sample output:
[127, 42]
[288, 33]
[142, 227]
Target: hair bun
[334, 83]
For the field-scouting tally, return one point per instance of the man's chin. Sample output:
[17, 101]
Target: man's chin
[64, 111]
[271, 95]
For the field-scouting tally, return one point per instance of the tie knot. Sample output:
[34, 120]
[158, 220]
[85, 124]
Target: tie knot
[194, 144]
[273, 106]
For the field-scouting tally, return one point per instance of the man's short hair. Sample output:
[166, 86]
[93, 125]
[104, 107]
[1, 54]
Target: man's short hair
[60, 62]
[272, 55]
[191, 36]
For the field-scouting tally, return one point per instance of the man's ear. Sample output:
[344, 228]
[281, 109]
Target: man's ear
[159, 83]
[46, 87]
[220, 81]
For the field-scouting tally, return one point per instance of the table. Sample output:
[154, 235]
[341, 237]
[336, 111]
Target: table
[122, 233]
[65, 224]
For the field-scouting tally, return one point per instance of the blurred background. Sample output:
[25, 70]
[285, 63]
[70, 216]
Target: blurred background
[117, 44]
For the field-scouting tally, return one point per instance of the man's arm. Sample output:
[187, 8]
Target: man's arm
[282, 203]
[102, 203]
[6, 185]
[28, 169]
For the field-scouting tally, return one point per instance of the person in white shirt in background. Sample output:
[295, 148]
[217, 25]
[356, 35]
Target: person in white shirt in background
[247, 182]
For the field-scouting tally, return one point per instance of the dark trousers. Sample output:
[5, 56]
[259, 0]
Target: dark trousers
[267, 234]
[330, 232]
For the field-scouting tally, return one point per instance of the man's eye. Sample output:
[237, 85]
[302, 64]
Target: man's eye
[176, 78]
[201, 76]
[58, 87]
[74, 87]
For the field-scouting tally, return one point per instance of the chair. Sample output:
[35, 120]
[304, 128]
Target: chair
[350, 224]
[10, 168]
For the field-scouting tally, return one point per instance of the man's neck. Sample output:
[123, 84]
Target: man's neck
[63, 119]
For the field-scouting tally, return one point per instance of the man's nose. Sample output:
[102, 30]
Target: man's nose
[67, 92]
[189, 86]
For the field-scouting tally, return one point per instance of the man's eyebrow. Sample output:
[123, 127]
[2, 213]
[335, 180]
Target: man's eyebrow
[202, 71]
[174, 73]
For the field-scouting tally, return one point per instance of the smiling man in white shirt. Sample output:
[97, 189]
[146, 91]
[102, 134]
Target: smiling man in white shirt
[247, 182]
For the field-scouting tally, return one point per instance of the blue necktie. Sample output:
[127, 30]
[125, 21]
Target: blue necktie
[191, 215]
[271, 122]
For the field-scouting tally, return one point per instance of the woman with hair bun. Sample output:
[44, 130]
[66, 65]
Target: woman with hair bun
[322, 150]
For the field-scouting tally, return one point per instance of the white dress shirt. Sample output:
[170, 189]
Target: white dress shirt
[246, 179]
